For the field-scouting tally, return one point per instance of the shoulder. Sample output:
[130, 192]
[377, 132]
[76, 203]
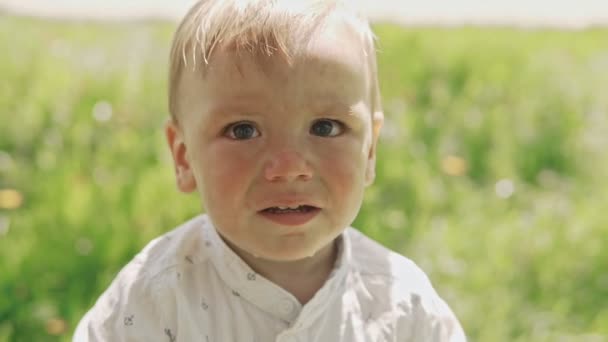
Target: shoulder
[372, 260]
[137, 299]
[159, 262]
[181, 245]
[396, 283]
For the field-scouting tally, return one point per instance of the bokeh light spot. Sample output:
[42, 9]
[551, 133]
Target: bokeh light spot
[6, 161]
[10, 199]
[505, 188]
[5, 224]
[56, 326]
[396, 219]
[102, 111]
[83, 246]
[454, 166]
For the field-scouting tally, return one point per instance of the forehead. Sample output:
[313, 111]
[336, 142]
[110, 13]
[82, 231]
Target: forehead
[333, 66]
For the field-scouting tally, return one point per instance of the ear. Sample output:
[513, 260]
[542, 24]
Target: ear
[370, 172]
[183, 170]
[377, 122]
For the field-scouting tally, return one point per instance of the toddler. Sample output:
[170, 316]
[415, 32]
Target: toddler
[275, 116]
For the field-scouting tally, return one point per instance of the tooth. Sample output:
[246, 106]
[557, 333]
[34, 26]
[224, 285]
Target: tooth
[283, 208]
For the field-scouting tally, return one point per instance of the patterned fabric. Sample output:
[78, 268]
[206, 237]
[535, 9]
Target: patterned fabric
[187, 285]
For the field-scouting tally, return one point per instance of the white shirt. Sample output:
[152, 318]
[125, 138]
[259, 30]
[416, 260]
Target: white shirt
[188, 285]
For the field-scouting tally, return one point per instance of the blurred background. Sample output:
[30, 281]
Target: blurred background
[491, 173]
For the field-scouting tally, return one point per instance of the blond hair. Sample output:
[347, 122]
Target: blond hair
[258, 26]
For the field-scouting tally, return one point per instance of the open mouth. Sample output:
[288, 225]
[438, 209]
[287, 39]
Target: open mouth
[290, 216]
[287, 210]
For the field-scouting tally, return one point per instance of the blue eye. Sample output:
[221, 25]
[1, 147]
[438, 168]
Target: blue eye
[242, 131]
[326, 128]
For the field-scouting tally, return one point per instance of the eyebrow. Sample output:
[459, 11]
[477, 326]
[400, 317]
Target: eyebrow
[233, 110]
[337, 106]
[246, 96]
[243, 103]
[333, 108]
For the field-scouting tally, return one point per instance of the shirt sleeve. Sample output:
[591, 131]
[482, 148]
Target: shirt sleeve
[128, 311]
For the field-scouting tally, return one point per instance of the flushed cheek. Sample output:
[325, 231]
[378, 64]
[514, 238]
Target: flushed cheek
[343, 174]
[227, 177]
[344, 159]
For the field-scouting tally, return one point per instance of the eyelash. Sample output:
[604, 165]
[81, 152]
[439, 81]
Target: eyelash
[230, 134]
[341, 127]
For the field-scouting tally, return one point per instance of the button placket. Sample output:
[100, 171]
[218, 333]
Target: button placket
[279, 326]
[286, 338]
[285, 306]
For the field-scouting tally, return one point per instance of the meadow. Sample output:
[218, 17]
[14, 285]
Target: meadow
[492, 171]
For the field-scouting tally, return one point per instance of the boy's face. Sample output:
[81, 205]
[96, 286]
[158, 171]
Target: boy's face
[258, 134]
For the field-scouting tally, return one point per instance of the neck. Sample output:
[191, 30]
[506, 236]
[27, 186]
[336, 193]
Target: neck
[302, 278]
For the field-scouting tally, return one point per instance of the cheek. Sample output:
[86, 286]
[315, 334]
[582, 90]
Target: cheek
[343, 169]
[226, 171]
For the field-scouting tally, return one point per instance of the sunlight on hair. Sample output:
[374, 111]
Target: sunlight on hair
[256, 26]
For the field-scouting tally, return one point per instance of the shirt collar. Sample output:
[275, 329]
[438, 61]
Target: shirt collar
[264, 294]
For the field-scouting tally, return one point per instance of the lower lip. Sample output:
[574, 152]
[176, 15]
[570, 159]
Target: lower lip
[291, 219]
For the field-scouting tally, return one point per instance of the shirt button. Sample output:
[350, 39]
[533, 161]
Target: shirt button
[285, 307]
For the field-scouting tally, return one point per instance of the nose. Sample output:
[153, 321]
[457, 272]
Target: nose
[287, 165]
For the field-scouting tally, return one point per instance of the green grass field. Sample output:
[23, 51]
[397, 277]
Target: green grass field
[491, 172]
